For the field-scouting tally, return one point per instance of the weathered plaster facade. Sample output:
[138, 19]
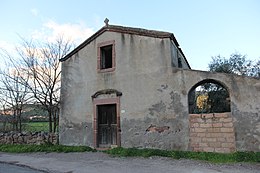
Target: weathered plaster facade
[152, 108]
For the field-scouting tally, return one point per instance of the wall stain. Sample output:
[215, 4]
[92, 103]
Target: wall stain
[163, 87]
[175, 104]
[157, 108]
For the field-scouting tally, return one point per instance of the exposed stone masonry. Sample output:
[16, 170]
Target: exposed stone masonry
[212, 132]
[28, 138]
[154, 128]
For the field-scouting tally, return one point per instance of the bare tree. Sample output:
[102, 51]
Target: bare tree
[38, 67]
[4, 119]
[14, 94]
[41, 63]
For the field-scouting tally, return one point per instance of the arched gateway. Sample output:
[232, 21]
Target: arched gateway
[210, 119]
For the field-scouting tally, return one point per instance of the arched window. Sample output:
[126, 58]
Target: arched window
[209, 96]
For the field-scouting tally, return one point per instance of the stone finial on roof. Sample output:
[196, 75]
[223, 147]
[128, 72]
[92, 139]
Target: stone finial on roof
[106, 21]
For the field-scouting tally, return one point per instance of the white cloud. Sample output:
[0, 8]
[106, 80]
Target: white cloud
[34, 12]
[6, 47]
[76, 32]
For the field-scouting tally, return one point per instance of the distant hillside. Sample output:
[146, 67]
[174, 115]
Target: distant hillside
[29, 112]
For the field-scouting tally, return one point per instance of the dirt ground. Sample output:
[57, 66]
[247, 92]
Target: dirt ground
[99, 162]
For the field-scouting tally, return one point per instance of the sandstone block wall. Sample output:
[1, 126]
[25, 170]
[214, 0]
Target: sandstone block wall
[212, 132]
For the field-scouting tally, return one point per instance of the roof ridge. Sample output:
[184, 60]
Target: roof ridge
[138, 28]
[123, 29]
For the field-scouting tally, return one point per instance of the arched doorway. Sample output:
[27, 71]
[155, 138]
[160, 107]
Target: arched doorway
[107, 118]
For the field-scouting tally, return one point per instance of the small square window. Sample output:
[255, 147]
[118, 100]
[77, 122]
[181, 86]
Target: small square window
[106, 56]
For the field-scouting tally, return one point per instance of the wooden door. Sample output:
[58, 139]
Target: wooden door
[107, 125]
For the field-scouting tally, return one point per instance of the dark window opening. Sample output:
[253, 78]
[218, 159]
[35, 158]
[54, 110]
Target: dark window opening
[179, 63]
[209, 96]
[106, 57]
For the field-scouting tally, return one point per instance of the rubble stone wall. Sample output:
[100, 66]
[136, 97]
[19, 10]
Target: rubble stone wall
[28, 138]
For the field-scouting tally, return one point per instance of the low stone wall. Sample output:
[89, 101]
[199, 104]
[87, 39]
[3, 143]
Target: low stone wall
[212, 132]
[28, 138]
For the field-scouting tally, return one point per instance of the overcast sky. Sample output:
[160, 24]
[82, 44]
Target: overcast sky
[203, 28]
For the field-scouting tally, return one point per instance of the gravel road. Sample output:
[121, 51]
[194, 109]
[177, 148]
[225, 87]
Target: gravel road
[99, 162]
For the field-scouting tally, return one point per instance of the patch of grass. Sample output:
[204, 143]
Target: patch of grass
[43, 148]
[35, 126]
[211, 157]
[134, 152]
[27, 126]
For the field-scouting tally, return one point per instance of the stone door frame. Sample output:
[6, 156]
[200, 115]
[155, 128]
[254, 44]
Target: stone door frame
[104, 101]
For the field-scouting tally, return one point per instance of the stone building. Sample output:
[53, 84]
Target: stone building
[132, 87]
